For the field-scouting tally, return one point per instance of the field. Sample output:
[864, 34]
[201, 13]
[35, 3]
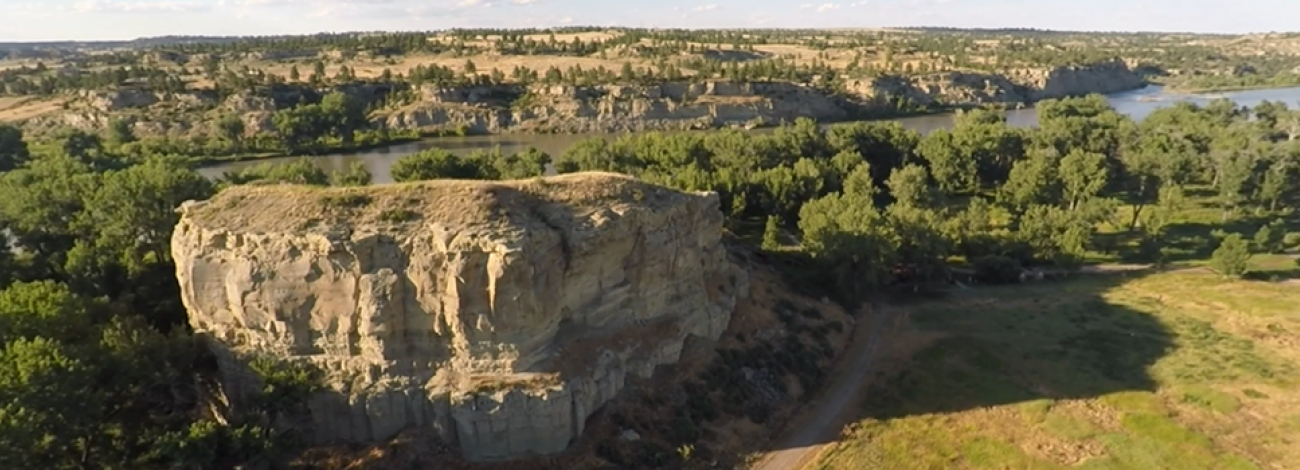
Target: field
[1179, 369]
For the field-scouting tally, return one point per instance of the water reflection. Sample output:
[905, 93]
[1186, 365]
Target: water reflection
[1136, 104]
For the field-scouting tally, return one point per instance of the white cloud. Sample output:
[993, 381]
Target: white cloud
[523, 2]
[469, 3]
[98, 6]
[711, 6]
[825, 7]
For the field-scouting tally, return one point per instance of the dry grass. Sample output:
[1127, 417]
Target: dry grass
[21, 108]
[1066, 376]
[516, 205]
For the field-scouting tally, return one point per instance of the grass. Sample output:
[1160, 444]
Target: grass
[1171, 370]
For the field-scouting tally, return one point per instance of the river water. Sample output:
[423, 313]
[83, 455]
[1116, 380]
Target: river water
[1136, 104]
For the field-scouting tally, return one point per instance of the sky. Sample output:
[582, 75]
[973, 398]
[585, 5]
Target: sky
[46, 20]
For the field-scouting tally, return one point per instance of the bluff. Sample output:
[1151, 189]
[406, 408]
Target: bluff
[499, 315]
[1022, 86]
[611, 108]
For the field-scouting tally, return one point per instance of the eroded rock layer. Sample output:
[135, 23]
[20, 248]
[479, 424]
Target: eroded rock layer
[500, 314]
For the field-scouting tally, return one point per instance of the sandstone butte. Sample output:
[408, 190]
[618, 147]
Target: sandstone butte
[500, 315]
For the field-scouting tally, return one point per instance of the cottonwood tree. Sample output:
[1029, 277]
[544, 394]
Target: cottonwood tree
[910, 186]
[1034, 180]
[1083, 177]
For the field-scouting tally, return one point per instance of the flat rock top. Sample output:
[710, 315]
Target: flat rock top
[399, 207]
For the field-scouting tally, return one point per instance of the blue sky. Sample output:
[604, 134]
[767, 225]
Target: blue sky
[28, 20]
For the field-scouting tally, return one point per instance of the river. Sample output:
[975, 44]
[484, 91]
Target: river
[1136, 104]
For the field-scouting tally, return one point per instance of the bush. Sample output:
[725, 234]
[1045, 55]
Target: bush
[997, 269]
[1292, 240]
[1232, 257]
[1270, 238]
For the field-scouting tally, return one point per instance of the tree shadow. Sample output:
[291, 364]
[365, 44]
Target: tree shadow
[1000, 345]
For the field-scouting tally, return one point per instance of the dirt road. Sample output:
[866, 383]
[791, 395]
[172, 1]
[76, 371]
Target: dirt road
[822, 424]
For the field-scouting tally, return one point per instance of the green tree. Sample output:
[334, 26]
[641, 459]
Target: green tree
[355, 175]
[955, 171]
[772, 233]
[13, 150]
[1034, 180]
[120, 131]
[133, 211]
[293, 74]
[231, 128]
[298, 171]
[910, 186]
[1269, 238]
[49, 408]
[1083, 177]
[470, 68]
[1232, 258]
[848, 235]
[434, 164]
[1277, 184]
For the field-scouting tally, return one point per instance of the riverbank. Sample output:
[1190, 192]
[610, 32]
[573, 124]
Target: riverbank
[1184, 88]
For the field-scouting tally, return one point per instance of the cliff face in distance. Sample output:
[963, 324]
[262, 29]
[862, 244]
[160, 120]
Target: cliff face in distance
[498, 314]
[710, 104]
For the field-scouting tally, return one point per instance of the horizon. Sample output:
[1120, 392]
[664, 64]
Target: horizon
[51, 21]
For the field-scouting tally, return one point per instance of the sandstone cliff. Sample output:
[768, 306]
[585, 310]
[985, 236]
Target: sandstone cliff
[1019, 86]
[499, 315]
[609, 108]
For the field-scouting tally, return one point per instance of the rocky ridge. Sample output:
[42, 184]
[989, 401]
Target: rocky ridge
[711, 104]
[499, 315]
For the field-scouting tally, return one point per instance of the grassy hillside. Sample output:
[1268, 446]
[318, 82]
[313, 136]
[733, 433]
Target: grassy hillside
[1179, 370]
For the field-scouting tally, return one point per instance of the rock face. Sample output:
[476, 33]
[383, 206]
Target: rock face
[499, 314]
[609, 108]
[1021, 86]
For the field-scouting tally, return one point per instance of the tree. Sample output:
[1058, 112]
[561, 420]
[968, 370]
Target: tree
[88, 149]
[1034, 180]
[772, 233]
[955, 171]
[13, 150]
[120, 132]
[434, 164]
[1232, 258]
[1269, 238]
[910, 186]
[850, 237]
[293, 74]
[1276, 185]
[133, 211]
[470, 68]
[298, 171]
[356, 175]
[49, 407]
[231, 128]
[1083, 177]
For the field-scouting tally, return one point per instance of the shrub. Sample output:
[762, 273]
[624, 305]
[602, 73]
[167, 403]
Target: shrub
[997, 269]
[1292, 240]
[1232, 257]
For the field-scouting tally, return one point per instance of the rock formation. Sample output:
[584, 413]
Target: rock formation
[606, 108]
[1019, 86]
[499, 314]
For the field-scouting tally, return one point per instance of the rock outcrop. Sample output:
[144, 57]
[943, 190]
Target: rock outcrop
[611, 108]
[498, 314]
[1020, 86]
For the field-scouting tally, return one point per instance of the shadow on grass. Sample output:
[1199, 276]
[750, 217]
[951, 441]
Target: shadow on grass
[1011, 344]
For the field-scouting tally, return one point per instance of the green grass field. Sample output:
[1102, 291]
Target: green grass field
[1175, 370]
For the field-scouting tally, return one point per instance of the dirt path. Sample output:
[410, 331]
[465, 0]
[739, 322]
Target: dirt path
[821, 425]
